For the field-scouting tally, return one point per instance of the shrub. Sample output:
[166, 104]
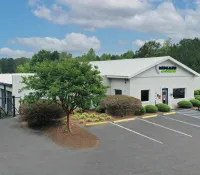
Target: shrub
[151, 109]
[81, 121]
[42, 114]
[75, 117]
[121, 105]
[196, 92]
[185, 104]
[197, 97]
[163, 107]
[141, 111]
[85, 114]
[195, 102]
[89, 120]
[103, 115]
[101, 118]
[109, 118]
[30, 99]
[92, 115]
[96, 120]
[100, 109]
[82, 117]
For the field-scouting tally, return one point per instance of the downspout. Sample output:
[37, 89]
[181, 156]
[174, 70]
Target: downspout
[4, 93]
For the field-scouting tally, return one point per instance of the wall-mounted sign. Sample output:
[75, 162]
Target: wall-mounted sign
[167, 69]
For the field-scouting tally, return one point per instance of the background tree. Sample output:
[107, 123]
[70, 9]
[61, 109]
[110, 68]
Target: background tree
[128, 55]
[149, 49]
[70, 83]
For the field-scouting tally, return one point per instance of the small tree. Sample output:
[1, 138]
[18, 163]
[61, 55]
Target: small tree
[69, 83]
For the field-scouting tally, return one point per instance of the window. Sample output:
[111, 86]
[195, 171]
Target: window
[179, 93]
[118, 92]
[145, 95]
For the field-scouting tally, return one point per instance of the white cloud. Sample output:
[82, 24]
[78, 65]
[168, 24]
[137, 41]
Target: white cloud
[55, 14]
[136, 15]
[74, 42]
[142, 42]
[9, 53]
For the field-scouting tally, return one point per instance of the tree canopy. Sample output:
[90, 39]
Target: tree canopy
[70, 83]
[186, 51]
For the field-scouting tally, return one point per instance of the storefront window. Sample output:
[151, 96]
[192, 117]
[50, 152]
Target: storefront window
[179, 93]
[145, 95]
[118, 92]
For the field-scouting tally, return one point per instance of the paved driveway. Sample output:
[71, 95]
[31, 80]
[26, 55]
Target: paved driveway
[155, 146]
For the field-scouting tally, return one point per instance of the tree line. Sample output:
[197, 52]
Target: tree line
[187, 51]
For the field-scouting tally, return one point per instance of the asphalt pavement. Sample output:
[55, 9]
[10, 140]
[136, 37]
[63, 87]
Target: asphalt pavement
[164, 145]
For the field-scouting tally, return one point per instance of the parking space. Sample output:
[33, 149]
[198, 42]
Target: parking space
[161, 145]
[189, 112]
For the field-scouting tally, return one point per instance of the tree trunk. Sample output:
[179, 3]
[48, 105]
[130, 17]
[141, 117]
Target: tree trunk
[68, 123]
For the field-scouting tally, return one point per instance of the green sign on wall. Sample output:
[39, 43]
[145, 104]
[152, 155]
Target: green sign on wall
[167, 69]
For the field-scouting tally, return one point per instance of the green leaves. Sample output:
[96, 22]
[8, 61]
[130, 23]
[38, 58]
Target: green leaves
[70, 82]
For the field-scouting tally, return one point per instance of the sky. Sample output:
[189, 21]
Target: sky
[107, 26]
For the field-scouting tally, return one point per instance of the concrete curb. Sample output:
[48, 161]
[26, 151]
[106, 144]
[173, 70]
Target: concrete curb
[150, 116]
[169, 113]
[124, 120]
[127, 120]
[94, 124]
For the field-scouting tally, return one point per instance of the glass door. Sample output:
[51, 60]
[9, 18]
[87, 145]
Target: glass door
[165, 95]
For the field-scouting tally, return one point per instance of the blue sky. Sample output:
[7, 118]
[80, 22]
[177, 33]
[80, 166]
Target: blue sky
[109, 26]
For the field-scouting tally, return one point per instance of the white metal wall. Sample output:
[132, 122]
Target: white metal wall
[17, 86]
[154, 81]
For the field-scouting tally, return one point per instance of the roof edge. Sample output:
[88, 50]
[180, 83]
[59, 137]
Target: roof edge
[165, 59]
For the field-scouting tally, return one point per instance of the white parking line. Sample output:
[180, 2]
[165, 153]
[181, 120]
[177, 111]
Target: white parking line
[193, 116]
[164, 127]
[181, 121]
[136, 133]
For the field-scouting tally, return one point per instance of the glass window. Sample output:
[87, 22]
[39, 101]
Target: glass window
[145, 95]
[118, 92]
[179, 93]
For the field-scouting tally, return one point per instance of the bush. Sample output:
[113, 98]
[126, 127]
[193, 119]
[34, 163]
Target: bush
[81, 121]
[185, 104]
[85, 114]
[89, 120]
[121, 105]
[100, 109]
[163, 107]
[96, 120]
[109, 118]
[30, 99]
[151, 109]
[42, 113]
[75, 117]
[195, 102]
[103, 115]
[196, 92]
[92, 115]
[83, 117]
[141, 111]
[197, 97]
[101, 118]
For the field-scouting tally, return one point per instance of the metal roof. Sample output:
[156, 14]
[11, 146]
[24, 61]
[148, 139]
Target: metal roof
[128, 68]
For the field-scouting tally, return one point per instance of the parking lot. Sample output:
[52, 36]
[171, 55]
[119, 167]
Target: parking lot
[163, 145]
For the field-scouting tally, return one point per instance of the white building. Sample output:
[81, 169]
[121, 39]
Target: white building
[152, 80]
[10, 86]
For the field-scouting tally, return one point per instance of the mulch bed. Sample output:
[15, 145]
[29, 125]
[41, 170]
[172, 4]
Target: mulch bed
[80, 138]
